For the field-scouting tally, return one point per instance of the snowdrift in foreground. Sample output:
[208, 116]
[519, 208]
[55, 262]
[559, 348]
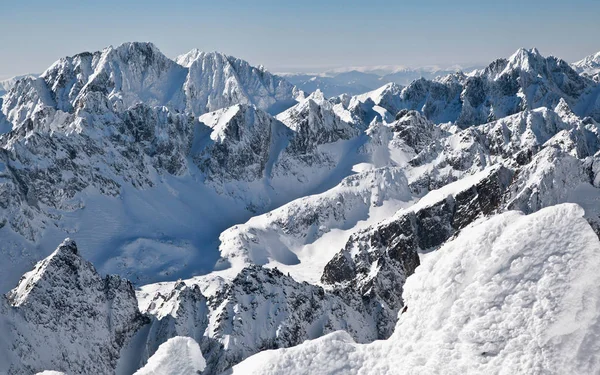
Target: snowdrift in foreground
[179, 355]
[513, 294]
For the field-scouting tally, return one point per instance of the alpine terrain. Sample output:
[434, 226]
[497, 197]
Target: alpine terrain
[203, 215]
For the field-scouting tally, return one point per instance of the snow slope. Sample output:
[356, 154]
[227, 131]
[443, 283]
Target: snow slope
[178, 355]
[301, 236]
[511, 294]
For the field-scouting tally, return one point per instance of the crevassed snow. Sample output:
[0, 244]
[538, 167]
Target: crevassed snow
[513, 294]
[178, 355]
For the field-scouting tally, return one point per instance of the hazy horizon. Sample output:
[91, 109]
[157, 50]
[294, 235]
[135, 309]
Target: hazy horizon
[302, 37]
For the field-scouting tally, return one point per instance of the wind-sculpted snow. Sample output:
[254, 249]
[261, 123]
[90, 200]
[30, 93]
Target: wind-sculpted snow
[511, 294]
[64, 316]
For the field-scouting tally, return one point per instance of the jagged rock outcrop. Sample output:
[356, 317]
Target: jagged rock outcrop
[243, 142]
[64, 316]
[315, 122]
[376, 261]
[259, 309]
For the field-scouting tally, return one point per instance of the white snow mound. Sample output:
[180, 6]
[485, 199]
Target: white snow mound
[513, 294]
[178, 355]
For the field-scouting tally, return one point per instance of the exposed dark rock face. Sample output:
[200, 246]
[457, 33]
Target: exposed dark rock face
[260, 309]
[64, 316]
[315, 123]
[242, 145]
[377, 261]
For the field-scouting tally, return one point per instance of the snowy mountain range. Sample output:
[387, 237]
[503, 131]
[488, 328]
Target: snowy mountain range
[589, 65]
[447, 225]
[357, 80]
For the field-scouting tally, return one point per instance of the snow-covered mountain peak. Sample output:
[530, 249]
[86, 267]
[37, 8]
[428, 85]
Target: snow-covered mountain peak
[137, 72]
[63, 315]
[316, 118]
[317, 96]
[131, 49]
[525, 59]
[64, 260]
[215, 80]
[188, 58]
[377, 94]
[210, 170]
[237, 121]
[589, 65]
[131, 73]
[563, 109]
[204, 57]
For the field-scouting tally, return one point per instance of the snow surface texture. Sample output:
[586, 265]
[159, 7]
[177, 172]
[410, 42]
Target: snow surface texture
[513, 294]
[179, 355]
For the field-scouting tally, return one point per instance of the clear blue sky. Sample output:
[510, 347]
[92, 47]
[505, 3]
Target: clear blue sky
[302, 34]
